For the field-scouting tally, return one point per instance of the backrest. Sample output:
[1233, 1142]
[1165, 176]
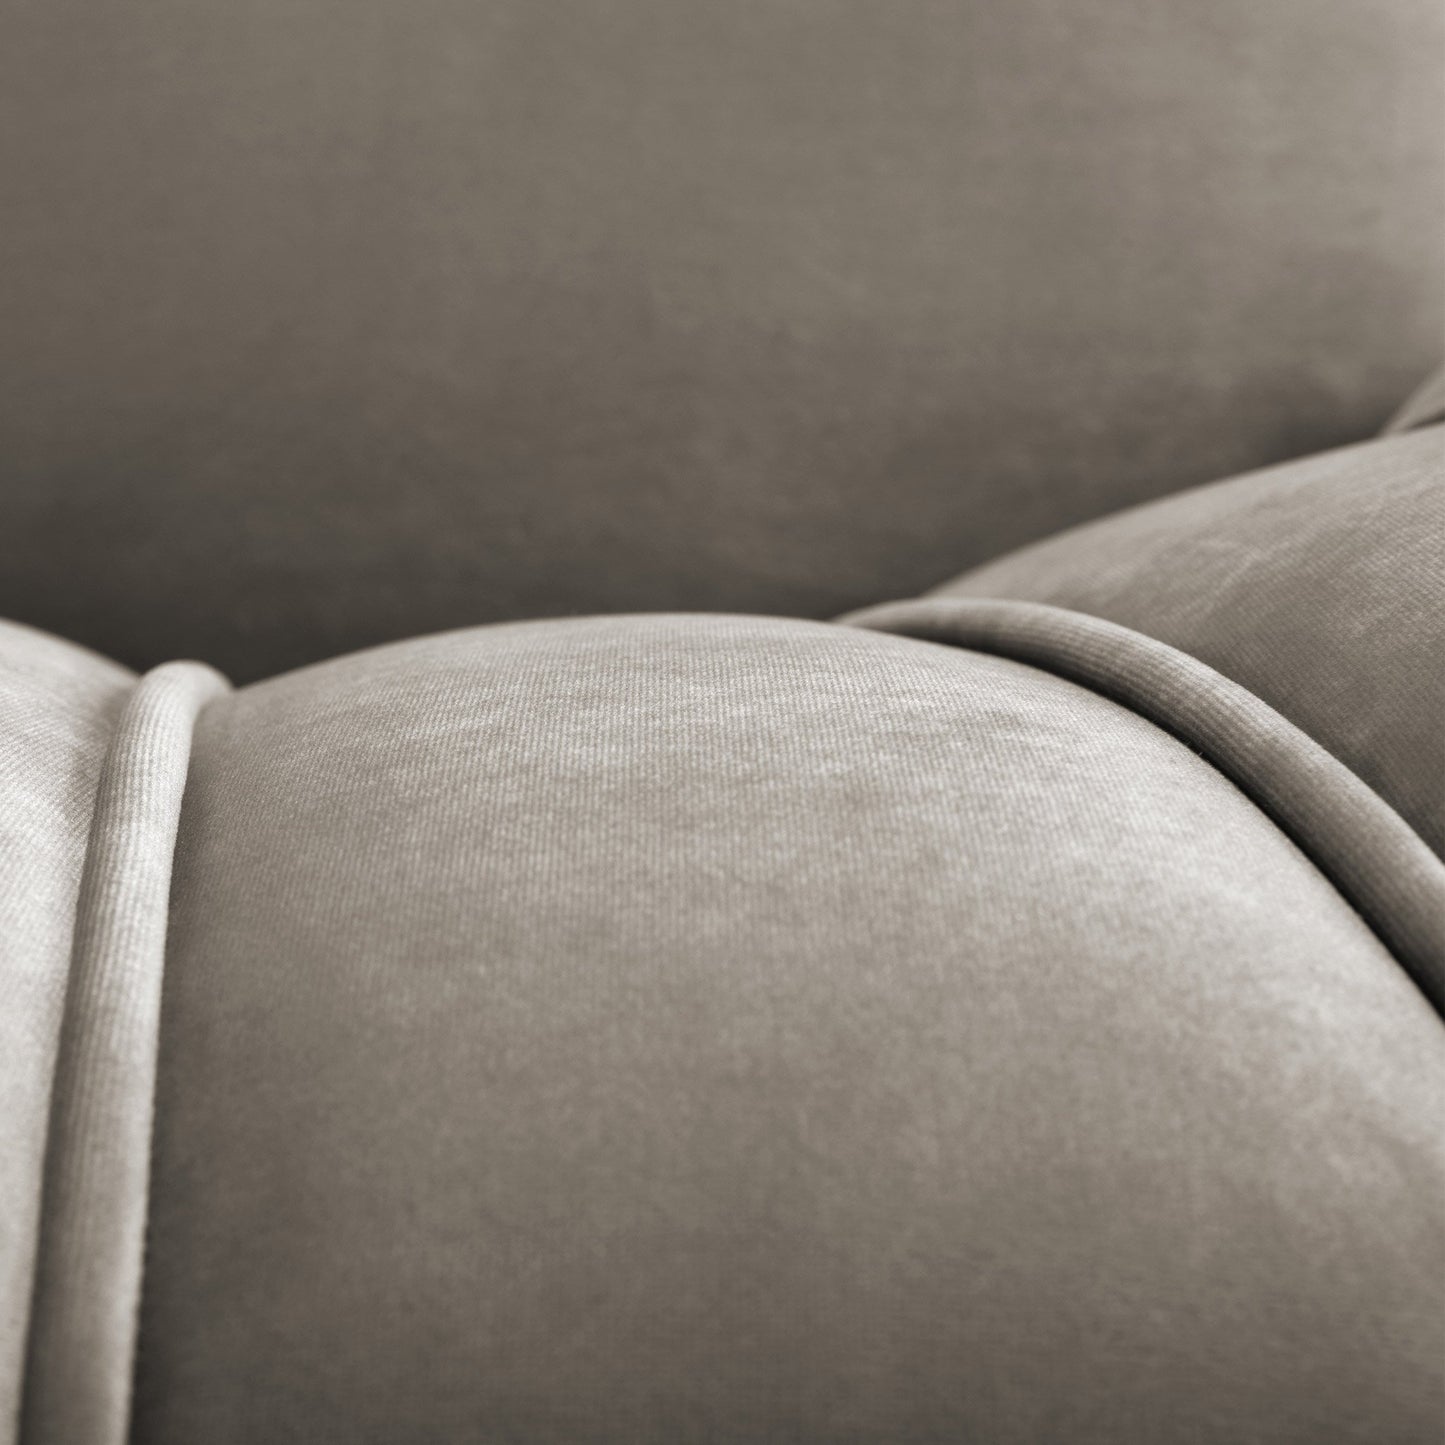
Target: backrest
[325, 324]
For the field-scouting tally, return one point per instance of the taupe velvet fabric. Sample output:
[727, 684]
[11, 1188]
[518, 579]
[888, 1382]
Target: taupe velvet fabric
[679, 1028]
[1425, 405]
[89, 1258]
[58, 709]
[324, 324]
[1380, 865]
[1318, 585]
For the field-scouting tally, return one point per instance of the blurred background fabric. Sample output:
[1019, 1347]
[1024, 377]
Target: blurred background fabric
[324, 324]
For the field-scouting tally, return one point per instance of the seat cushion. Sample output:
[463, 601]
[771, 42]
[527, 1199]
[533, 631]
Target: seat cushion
[322, 325]
[682, 1028]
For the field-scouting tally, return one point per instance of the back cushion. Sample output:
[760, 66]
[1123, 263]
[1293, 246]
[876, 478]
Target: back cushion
[323, 324]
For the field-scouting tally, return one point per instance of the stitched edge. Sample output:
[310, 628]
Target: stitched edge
[86, 1292]
[1373, 857]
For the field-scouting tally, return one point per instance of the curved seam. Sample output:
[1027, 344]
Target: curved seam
[86, 1291]
[1374, 859]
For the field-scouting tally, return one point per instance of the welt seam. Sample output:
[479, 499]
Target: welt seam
[86, 1287]
[1376, 861]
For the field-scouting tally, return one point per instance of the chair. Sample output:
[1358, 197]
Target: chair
[532, 910]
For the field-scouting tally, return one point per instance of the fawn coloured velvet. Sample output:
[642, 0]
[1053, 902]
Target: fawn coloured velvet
[323, 325]
[717, 1028]
[1319, 585]
[701, 1027]
[59, 706]
[1009, 1014]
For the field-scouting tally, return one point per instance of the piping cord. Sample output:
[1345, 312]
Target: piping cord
[1379, 864]
[86, 1299]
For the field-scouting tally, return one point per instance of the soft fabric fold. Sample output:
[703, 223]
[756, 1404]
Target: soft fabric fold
[92, 1237]
[1379, 864]
[59, 706]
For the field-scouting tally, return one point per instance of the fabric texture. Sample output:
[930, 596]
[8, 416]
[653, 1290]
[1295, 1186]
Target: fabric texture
[700, 1028]
[58, 710]
[322, 325]
[97, 1161]
[1318, 585]
[1364, 847]
[1424, 406]
[1007, 1018]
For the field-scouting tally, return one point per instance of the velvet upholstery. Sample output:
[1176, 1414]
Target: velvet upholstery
[58, 709]
[89, 1258]
[327, 324]
[710, 1028]
[1380, 865]
[706, 1027]
[1426, 404]
[1014, 1013]
[1318, 585]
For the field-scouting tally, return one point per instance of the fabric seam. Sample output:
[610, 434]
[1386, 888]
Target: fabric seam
[94, 1194]
[1371, 855]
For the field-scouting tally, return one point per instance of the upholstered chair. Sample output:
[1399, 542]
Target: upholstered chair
[532, 909]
